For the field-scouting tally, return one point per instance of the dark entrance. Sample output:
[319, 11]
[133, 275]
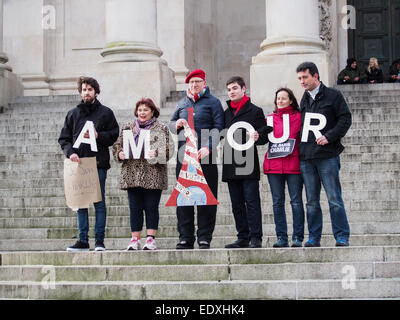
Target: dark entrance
[377, 32]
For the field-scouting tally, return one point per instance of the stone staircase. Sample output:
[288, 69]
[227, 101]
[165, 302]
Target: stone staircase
[36, 226]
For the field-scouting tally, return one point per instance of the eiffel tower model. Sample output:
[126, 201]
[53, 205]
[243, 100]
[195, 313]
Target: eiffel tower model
[191, 188]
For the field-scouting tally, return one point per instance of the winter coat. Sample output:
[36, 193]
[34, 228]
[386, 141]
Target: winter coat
[330, 103]
[352, 73]
[291, 163]
[253, 115]
[145, 173]
[208, 114]
[393, 71]
[375, 74]
[105, 124]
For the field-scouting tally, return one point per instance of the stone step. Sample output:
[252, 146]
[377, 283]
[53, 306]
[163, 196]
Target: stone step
[215, 290]
[202, 257]
[373, 125]
[31, 184]
[53, 169]
[378, 108]
[114, 194]
[287, 271]
[120, 198]
[120, 216]
[11, 245]
[374, 89]
[361, 99]
[51, 161]
[357, 228]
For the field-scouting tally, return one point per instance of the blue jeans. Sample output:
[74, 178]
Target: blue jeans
[295, 188]
[325, 171]
[101, 213]
[147, 200]
[246, 208]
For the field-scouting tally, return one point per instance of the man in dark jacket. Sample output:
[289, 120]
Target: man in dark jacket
[241, 169]
[208, 116]
[326, 119]
[352, 74]
[394, 71]
[106, 131]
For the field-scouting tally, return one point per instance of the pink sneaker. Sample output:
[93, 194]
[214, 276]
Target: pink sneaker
[150, 244]
[134, 244]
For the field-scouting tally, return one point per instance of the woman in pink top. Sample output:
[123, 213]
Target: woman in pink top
[282, 165]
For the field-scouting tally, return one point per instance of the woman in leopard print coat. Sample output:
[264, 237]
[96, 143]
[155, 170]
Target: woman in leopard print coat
[144, 179]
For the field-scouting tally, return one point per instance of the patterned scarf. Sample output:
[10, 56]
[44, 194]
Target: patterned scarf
[142, 125]
[195, 97]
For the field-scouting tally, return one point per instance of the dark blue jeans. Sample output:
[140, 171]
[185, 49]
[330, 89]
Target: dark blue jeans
[295, 188]
[147, 200]
[101, 213]
[246, 208]
[325, 171]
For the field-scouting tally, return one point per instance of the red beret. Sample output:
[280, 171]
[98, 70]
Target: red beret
[196, 73]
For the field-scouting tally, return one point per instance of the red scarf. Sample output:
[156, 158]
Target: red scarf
[239, 105]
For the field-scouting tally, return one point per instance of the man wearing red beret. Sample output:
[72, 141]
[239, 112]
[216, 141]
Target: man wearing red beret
[208, 117]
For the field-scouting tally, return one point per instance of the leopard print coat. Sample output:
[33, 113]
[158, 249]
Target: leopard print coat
[145, 173]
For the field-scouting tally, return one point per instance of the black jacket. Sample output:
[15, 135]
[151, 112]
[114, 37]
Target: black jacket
[375, 74]
[249, 158]
[105, 124]
[208, 114]
[393, 71]
[331, 103]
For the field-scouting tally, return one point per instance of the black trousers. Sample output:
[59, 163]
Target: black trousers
[206, 215]
[246, 207]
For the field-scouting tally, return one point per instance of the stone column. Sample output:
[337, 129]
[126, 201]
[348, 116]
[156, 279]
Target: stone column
[292, 37]
[132, 66]
[24, 36]
[3, 56]
[10, 85]
[171, 37]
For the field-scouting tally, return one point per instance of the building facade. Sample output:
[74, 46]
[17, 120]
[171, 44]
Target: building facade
[141, 48]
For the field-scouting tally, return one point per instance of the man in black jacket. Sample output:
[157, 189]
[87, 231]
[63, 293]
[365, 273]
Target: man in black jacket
[326, 119]
[241, 169]
[106, 131]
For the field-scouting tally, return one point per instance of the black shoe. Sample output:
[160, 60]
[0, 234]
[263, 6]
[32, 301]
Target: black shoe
[239, 243]
[204, 244]
[99, 246]
[183, 245]
[342, 242]
[297, 243]
[281, 243]
[312, 243]
[79, 246]
[255, 243]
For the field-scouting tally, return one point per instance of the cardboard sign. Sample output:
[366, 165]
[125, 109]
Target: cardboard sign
[281, 150]
[81, 183]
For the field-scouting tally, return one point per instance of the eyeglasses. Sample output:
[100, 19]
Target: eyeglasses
[195, 81]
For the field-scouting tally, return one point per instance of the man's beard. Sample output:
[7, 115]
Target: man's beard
[88, 99]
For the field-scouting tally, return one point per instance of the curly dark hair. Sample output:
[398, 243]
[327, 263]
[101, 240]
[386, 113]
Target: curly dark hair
[90, 81]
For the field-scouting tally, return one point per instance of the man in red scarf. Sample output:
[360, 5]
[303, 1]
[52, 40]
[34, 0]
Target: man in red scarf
[241, 169]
